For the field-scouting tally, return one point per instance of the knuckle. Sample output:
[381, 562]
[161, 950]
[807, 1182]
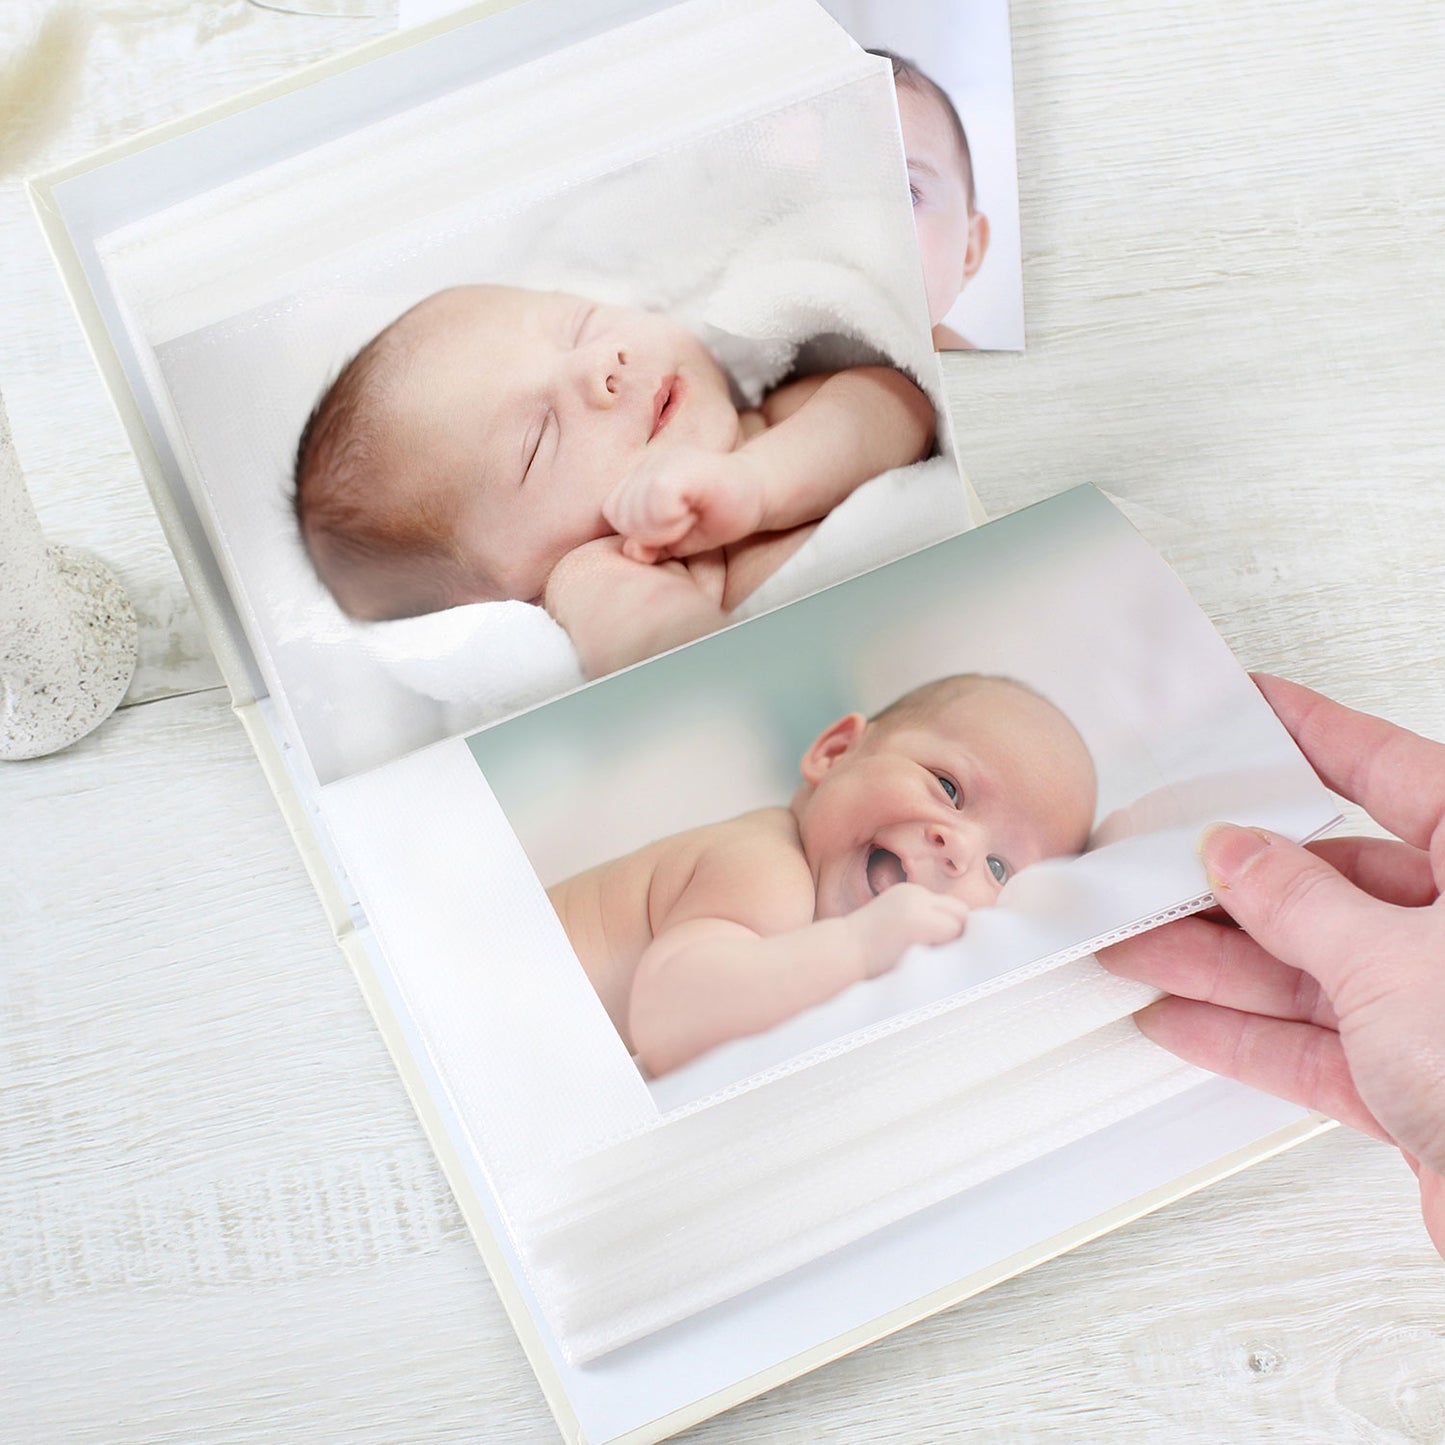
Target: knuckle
[1307, 1001]
[1286, 899]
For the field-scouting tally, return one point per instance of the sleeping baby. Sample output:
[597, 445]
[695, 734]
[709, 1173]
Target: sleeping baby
[498, 443]
[903, 823]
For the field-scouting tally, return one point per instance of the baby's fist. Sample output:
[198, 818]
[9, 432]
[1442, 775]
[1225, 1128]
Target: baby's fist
[904, 915]
[681, 500]
[649, 508]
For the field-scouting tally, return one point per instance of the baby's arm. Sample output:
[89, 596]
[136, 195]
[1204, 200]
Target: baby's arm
[825, 437]
[715, 971]
[618, 612]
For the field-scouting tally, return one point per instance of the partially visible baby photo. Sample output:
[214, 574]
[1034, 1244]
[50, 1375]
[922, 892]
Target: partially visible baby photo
[954, 76]
[889, 798]
[953, 73]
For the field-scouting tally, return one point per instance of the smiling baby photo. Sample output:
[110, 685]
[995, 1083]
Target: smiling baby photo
[889, 797]
[900, 827]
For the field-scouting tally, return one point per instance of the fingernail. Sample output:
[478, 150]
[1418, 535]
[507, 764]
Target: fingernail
[1226, 851]
[1145, 1016]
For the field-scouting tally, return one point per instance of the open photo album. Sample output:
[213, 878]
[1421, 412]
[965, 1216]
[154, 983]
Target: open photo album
[719, 820]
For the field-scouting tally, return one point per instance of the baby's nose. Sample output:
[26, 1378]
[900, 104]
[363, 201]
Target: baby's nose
[951, 850]
[600, 376]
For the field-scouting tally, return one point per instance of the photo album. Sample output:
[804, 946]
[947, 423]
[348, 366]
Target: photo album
[719, 814]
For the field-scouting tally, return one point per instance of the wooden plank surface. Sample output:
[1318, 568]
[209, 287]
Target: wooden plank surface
[219, 1220]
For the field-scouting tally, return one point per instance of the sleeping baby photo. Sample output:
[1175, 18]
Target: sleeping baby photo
[890, 797]
[497, 443]
[516, 417]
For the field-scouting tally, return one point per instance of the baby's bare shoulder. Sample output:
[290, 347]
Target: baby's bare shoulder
[750, 869]
[765, 832]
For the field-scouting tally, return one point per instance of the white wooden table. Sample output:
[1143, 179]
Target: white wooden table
[218, 1217]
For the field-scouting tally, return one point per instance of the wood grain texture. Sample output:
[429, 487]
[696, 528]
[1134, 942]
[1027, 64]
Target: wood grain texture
[219, 1220]
[1235, 301]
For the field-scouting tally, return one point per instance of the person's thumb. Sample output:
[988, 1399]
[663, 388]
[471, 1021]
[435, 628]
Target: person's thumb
[1291, 902]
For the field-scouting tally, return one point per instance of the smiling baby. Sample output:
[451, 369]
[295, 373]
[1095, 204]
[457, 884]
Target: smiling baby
[902, 824]
[499, 443]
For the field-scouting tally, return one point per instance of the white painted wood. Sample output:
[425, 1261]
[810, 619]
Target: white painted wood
[218, 1218]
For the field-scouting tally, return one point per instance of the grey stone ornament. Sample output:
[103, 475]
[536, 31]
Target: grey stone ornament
[67, 629]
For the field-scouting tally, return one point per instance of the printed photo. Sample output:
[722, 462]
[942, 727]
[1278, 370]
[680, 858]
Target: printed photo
[544, 387]
[902, 825]
[511, 444]
[953, 71]
[984, 758]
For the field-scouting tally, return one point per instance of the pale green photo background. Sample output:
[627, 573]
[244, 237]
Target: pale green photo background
[1057, 596]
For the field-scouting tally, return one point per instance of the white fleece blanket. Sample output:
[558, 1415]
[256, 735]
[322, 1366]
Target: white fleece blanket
[782, 235]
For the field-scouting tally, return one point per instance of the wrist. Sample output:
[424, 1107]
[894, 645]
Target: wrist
[857, 945]
[752, 484]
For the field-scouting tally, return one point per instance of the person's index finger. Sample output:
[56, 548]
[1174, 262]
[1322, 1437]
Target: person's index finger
[1397, 776]
[1385, 868]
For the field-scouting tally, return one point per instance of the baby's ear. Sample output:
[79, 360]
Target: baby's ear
[977, 247]
[831, 744]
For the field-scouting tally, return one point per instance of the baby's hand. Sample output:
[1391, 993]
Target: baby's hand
[683, 500]
[901, 916]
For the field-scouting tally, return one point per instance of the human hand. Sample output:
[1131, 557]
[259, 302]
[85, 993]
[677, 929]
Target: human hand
[681, 500]
[1331, 992]
[905, 914]
[616, 612]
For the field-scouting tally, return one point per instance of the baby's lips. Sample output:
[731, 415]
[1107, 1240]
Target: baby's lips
[669, 396]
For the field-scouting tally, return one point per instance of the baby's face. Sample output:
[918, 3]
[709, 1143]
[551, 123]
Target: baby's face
[952, 239]
[958, 798]
[528, 407]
